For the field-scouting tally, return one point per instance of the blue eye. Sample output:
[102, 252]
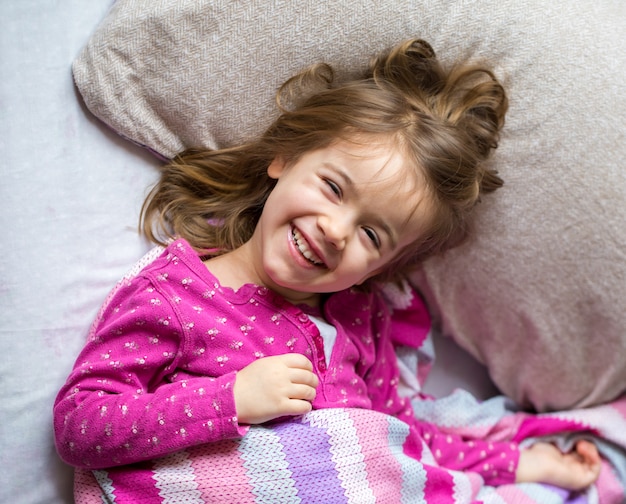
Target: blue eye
[371, 234]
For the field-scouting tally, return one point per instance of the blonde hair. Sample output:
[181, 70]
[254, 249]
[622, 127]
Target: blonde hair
[447, 122]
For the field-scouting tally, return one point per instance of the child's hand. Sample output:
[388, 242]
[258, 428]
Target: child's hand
[545, 463]
[274, 386]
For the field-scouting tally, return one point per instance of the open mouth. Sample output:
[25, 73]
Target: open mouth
[303, 246]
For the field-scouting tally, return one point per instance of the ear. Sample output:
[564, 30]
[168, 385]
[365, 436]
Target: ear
[276, 167]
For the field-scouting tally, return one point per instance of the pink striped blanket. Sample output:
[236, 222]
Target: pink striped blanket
[359, 456]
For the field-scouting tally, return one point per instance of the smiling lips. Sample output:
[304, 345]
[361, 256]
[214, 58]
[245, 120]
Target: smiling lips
[305, 250]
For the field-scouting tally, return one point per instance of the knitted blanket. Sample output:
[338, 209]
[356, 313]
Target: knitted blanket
[360, 456]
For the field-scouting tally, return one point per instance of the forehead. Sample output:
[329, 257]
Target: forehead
[386, 180]
[373, 161]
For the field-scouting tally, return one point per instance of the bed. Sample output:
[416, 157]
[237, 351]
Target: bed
[533, 307]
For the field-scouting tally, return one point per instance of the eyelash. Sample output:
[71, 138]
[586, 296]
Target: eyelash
[333, 187]
[373, 237]
[371, 234]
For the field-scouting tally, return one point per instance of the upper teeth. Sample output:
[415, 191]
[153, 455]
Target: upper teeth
[304, 249]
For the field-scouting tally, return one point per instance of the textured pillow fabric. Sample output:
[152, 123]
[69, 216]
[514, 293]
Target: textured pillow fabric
[539, 293]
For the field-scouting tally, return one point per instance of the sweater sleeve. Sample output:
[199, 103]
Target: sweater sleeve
[496, 462]
[122, 402]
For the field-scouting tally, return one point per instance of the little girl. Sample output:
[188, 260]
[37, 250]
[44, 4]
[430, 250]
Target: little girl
[266, 301]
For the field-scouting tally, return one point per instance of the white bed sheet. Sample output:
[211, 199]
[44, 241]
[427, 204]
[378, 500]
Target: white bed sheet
[70, 191]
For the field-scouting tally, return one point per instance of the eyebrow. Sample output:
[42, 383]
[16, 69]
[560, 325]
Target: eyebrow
[353, 187]
[339, 171]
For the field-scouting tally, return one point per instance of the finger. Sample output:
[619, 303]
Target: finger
[589, 454]
[302, 392]
[297, 407]
[296, 360]
[304, 377]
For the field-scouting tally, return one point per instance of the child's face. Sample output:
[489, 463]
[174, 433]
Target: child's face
[337, 216]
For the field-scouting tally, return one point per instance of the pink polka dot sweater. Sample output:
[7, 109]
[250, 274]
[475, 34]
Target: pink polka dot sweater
[157, 374]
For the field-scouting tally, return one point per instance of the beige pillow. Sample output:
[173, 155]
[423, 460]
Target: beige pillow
[539, 294]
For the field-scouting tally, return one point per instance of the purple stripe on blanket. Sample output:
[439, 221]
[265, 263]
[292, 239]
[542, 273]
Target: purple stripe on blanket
[569, 497]
[310, 461]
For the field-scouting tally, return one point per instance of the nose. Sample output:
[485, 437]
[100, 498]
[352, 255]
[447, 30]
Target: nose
[335, 229]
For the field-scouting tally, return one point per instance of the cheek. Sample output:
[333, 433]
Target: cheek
[278, 203]
[363, 265]
[381, 264]
[287, 192]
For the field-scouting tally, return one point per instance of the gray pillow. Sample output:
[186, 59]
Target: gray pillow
[539, 293]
